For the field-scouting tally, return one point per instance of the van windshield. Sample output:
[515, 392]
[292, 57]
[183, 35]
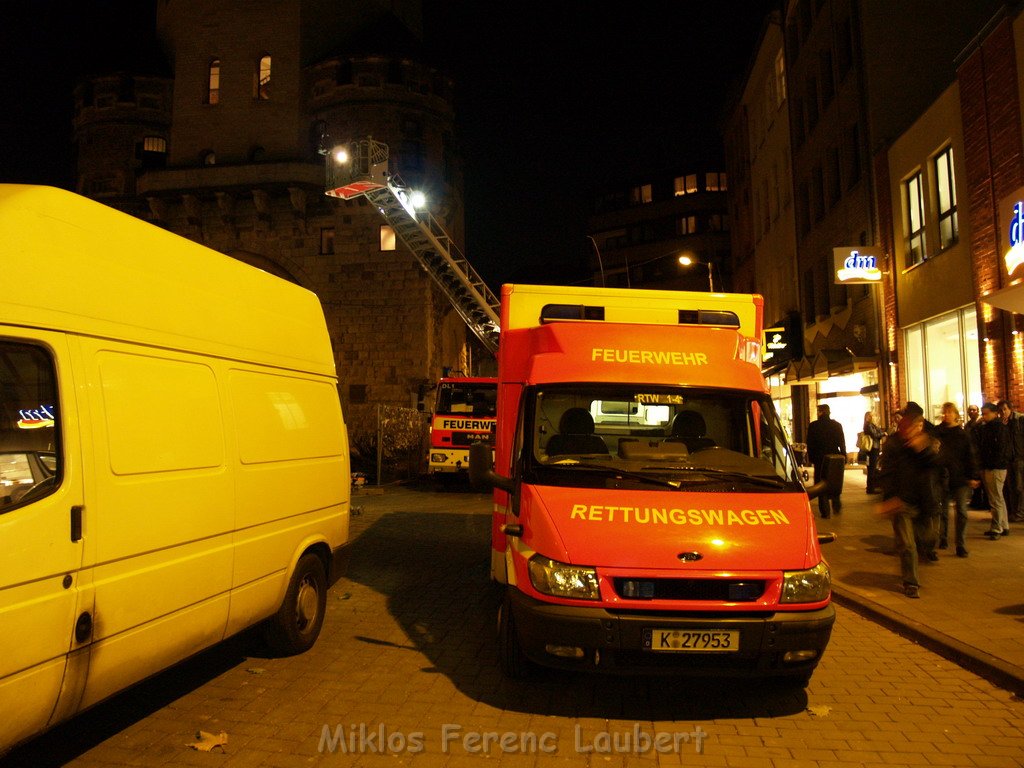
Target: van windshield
[627, 435]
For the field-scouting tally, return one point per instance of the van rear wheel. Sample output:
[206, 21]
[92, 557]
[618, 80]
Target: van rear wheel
[296, 625]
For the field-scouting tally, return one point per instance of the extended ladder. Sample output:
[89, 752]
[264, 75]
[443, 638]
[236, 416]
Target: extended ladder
[363, 173]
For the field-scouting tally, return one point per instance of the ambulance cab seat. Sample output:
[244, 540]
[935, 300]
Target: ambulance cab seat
[689, 428]
[575, 435]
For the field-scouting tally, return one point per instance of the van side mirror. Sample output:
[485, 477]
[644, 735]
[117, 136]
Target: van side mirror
[481, 474]
[834, 467]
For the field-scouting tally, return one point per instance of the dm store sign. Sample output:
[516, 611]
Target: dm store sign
[1014, 257]
[857, 264]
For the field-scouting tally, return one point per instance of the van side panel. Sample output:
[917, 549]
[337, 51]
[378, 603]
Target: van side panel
[161, 510]
[293, 469]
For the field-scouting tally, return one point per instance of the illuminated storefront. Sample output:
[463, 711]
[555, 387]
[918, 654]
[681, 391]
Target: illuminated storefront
[942, 364]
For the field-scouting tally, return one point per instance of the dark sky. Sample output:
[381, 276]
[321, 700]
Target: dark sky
[555, 99]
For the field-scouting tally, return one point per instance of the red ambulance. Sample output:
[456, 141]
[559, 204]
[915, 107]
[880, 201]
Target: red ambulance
[648, 512]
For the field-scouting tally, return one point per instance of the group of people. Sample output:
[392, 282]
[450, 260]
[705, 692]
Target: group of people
[922, 469]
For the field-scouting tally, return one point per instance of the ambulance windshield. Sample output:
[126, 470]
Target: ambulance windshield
[718, 439]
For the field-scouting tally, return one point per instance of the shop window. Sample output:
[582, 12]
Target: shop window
[941, 363]
[213, 82]
[913, 198]
[945, 191]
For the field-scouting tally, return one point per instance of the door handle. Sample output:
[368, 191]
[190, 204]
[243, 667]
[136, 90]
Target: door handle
[76, 522]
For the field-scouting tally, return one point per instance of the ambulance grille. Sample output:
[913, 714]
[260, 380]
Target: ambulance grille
[468, 438]
[712, 590]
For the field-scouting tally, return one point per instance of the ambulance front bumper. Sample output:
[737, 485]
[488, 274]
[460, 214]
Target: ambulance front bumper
[752, 644]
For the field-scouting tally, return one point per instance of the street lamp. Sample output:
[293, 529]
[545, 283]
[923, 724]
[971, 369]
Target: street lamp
[687, 261]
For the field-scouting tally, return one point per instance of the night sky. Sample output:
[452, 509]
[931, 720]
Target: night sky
[555, 99]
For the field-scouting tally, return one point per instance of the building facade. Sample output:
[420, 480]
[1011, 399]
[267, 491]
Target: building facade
[638, 232]
[227, 148]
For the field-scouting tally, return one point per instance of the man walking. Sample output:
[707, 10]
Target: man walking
[911, 455]
[825, 437]
[1013, 490]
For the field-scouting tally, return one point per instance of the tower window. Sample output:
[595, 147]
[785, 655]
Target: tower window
[213, 83]
[263, 78]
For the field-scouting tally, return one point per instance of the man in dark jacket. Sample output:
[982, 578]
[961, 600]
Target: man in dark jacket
[910, 456]
[825, 437]
[960, 475]
[994, 458]
[930, 496]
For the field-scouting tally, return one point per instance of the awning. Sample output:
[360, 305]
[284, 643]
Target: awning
[1010, 298]
[828, 363]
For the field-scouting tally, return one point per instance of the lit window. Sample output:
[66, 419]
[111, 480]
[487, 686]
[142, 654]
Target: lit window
[687, 225]
[780, 78]
[678, 186]
[213, 83]
[641, 194]
[263, 78]
[327, 241]
[914, 199]
[209, 157]
[154, 144]
[387, 238]
[691, 184]
[715, 182]
[945, 190]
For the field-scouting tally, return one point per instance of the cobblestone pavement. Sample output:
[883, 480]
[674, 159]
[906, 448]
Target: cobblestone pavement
[405, 674]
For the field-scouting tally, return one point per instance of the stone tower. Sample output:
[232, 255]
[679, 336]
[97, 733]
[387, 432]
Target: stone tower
[225, 147]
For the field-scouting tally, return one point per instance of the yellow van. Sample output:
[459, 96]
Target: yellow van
[173, 457]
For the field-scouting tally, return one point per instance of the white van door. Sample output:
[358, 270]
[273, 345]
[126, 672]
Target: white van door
[41, 508]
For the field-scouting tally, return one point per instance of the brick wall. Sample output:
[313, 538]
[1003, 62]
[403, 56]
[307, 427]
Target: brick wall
[994, 164]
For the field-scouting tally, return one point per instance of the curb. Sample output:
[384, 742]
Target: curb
[995, 670]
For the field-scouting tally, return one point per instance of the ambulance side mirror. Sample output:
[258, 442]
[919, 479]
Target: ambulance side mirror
[481, 474]
[834, 470]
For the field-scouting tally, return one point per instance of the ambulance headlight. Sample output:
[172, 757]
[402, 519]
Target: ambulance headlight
[550, 577]
[811, 586]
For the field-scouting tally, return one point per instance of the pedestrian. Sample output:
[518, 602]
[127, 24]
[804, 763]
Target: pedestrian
[994, 458]
[930, 495]
[824, 438]
[979, 500]
[875, 434]
[910, 456]
[960, 475]
[1013, 489]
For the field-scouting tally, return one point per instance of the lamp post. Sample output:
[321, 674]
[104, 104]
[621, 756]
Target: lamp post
[687, 261]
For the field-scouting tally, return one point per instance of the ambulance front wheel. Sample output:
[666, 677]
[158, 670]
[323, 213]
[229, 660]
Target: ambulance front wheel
[512, 660]
[296, 625]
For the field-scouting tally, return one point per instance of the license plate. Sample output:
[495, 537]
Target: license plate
[691, 640]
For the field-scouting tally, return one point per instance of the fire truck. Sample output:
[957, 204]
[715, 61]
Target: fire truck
[463, 414]
[648, 511]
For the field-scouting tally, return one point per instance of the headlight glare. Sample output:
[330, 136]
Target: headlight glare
[811, 586]
[551, 577]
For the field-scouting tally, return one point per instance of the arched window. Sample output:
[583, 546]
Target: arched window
[208, 157]
[263, 78]
[213, 83]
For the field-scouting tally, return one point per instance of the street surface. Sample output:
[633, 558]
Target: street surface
[405, 674]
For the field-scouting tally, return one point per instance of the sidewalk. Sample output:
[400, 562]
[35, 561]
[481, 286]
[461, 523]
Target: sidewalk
[971, 610]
